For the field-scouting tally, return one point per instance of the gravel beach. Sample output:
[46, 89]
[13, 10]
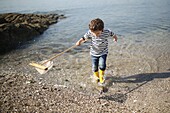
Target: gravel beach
[135, 84]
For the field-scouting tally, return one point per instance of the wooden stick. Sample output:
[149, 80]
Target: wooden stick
[61, 53]
[58, 54]
[38, 66]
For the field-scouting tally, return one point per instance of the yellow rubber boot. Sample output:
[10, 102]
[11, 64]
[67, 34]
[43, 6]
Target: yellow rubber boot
[96, 76]
[101, 76]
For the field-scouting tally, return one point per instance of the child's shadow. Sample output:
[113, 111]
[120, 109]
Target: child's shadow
[139, 78]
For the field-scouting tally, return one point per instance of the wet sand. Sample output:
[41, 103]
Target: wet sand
[137, 77]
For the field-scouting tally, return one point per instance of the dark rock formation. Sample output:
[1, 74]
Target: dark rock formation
[17, 28]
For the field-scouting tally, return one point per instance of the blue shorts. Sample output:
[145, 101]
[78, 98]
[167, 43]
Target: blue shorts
[98, 62]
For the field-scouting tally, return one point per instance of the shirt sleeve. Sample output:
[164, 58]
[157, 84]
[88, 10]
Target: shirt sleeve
[111, 33]
[87, 35]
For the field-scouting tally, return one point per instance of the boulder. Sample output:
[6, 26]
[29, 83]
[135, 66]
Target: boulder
[17, 28]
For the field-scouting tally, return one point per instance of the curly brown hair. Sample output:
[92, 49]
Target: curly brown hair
[96, 25]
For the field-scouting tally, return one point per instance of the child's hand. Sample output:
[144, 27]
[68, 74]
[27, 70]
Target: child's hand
[78, 43]
[115, 38]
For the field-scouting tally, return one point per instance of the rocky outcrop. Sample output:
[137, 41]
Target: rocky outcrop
[17, 28]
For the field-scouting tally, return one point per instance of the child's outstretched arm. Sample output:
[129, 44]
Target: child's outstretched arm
[115, 38]
[78, 43]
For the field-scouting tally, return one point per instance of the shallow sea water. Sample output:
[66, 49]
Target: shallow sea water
[142, 27]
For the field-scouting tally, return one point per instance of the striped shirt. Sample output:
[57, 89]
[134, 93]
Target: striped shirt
[99, 45]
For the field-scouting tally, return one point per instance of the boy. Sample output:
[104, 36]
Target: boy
[99, 47]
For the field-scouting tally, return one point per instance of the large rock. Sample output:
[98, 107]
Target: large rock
[17, 28]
